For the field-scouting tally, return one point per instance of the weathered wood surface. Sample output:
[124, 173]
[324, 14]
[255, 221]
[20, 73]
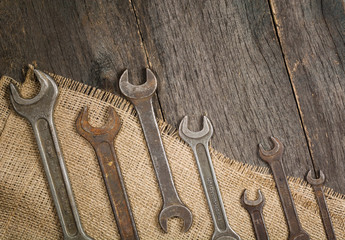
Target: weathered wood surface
[223, 59]
[312, 35]
[90, 41]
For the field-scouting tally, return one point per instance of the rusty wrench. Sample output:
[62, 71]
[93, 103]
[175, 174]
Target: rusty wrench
[141, 97]
[274, 158]
[254, 208]
[199, 141]
[102, 140]
[39, 112]
[317, 184]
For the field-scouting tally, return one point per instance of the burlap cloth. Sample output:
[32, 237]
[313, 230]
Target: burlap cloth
[27, 210]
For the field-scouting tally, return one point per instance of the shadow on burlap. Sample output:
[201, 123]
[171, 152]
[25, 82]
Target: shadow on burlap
[27, 210]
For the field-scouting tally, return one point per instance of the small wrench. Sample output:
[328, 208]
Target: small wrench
[274, 158]
[317, 184]
[102, 140]
[39, 112]
[254, 208]
[141, 98]
[199, 141]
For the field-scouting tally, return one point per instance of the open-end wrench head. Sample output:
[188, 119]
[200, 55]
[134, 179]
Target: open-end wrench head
[316, 181]
[29, 101]
[252, 203]
[179, 211]
[138, 91]
[98, 134]
[193, 138]
[274, 154]
[39, 106]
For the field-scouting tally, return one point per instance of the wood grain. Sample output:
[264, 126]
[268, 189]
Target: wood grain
[312, 39]
[89, 41]
[222, 59]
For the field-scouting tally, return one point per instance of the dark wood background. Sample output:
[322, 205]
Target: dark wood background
[256, 68]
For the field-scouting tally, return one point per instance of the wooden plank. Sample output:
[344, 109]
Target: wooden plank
[89, 41]
[312, 38]
[222, 59]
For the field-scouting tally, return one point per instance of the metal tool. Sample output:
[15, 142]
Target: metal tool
[39, 112]
[274, 159]
[198, 141]
[254, 208]
[102, 140]
[317, 184]
[141, 97]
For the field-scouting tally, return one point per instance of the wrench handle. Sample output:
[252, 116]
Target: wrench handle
[326, 219]
[58, 180]
[156, 149]
[213, 196]
[116, 190]
[259, 225]
[210, 185]
[287, 202]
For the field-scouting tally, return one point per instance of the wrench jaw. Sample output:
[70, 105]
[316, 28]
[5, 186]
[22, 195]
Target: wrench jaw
[274, 154]
[138, 92]
[38, 106]
[252, 204]
[193, 138]
[178, 210]
[97, 134]
[316, 181]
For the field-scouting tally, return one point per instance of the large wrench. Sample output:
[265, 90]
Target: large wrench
[198, 141]
[39, 112]
[274, 158]
[317, 184]
[141, 97]
[254, 208]
[102, 140]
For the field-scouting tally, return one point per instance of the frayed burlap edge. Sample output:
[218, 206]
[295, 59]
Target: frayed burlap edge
[167, 130]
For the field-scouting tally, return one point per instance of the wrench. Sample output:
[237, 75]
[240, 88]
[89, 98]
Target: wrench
[198, 141]
[317, 184]
[274, 158]
[141, 98]
[102, 140]
[254, 208]
[39, 112]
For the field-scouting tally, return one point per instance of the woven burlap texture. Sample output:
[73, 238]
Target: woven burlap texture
[27, 210]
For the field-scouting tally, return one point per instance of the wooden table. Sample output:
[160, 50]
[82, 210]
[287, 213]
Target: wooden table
[255, 68]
